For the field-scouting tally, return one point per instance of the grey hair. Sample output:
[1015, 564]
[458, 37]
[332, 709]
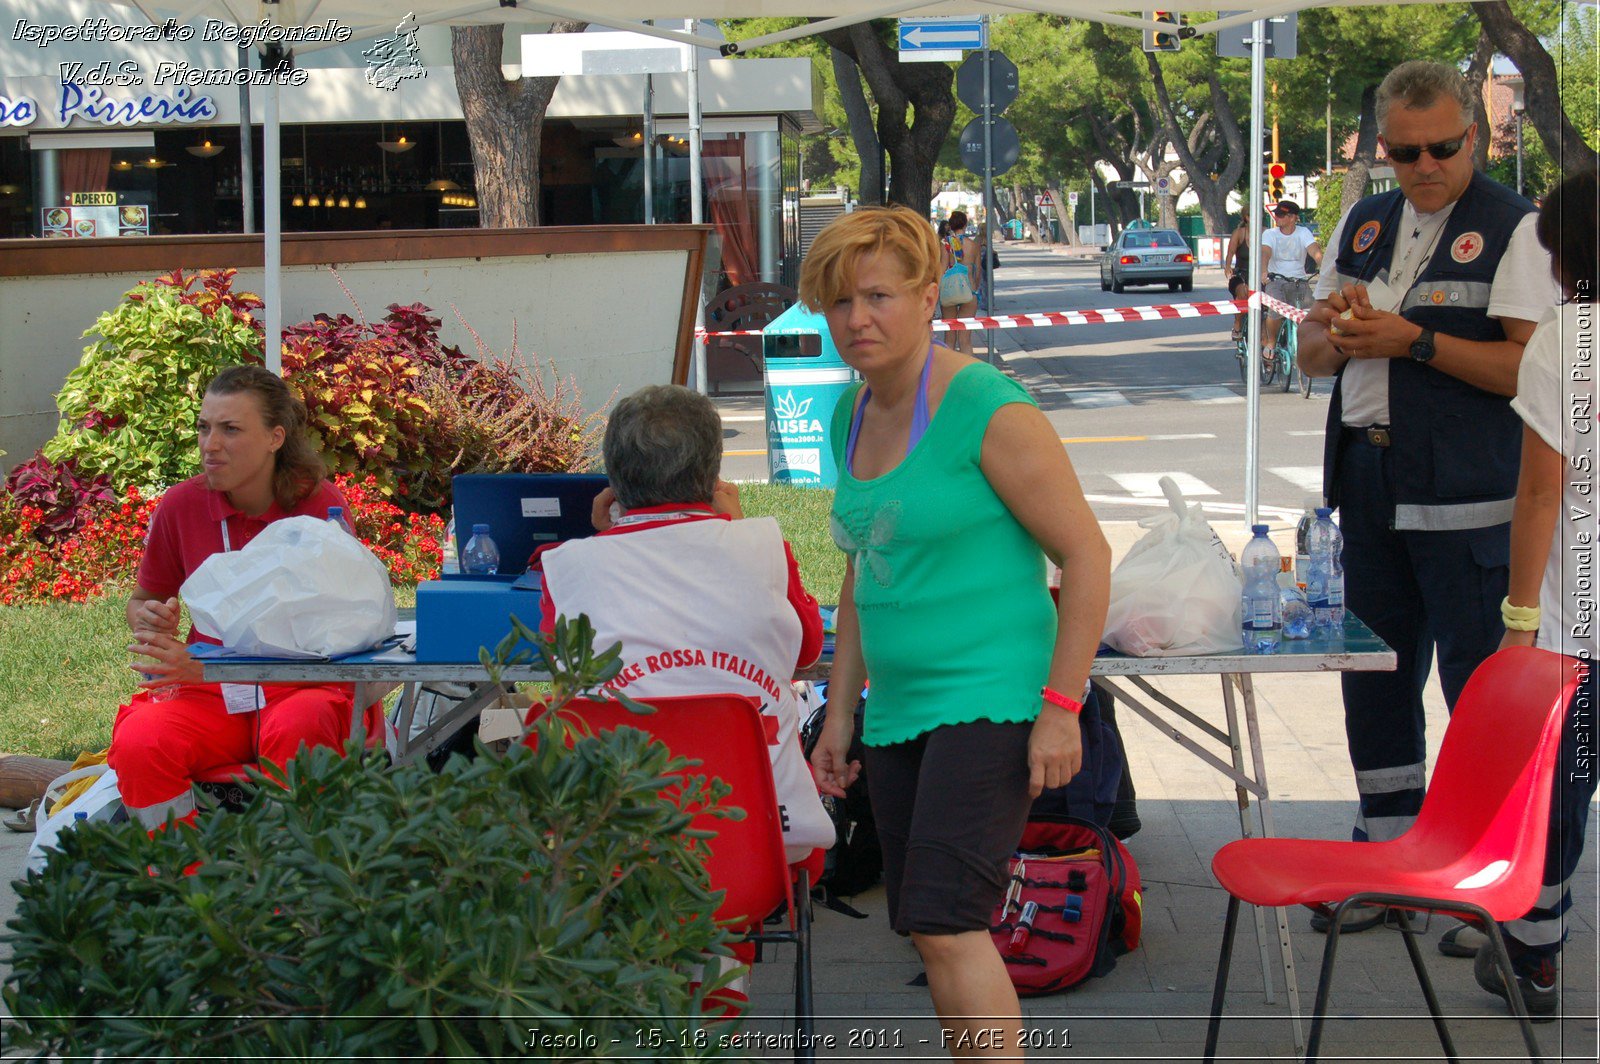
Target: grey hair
[1418, 84]
[663, 444]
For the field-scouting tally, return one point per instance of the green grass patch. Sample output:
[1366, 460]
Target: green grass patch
[64, 667]
[802, 513]
[64, 671]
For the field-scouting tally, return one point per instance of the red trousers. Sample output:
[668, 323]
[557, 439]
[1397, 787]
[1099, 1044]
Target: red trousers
[159, 749]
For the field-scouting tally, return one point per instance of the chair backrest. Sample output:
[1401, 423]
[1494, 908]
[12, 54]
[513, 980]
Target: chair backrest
[1485, 817]
[725, 735]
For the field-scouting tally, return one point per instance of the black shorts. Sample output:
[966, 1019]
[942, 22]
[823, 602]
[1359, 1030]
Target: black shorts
[950, 807]
[1236, 282]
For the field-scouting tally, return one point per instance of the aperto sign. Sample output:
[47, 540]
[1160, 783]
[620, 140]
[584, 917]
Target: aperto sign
[93, 104]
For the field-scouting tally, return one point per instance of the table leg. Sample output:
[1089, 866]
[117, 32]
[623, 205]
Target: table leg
[443, 727]
[366, 692]
[1280, 915]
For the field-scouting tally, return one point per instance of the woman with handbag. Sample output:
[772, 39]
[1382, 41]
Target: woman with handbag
[953, 488]
[259, 467]
[960, 278]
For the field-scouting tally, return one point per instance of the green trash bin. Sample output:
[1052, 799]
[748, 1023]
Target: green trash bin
[803, 376]
[1015, 228]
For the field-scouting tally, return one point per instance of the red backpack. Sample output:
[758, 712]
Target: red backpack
[1072, 906]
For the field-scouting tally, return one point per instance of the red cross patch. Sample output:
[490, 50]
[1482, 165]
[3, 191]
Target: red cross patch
[1467, 247]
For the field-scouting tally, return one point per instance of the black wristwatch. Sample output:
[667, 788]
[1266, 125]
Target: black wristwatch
[1422, 347]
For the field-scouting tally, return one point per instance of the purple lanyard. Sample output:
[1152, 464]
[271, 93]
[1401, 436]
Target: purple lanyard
[919, 415]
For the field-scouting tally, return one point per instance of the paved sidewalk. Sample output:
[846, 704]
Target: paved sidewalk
[1153, 1006]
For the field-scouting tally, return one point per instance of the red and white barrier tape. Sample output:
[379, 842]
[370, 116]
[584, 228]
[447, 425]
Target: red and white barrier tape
[1106, 316]
[1293, 313]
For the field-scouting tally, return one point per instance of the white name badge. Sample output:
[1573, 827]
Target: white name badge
[241, 697]
[541, 507]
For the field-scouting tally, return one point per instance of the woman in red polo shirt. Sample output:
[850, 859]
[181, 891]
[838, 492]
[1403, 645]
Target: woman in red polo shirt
[259, 467]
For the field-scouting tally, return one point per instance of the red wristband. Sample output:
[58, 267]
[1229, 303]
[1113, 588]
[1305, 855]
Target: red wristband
[1056, 698]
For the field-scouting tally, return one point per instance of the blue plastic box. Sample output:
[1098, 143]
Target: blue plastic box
[456, 617]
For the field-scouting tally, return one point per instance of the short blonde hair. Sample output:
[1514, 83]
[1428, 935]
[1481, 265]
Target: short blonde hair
[830, 266]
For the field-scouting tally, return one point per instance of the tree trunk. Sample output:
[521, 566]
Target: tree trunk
[924, 89]
[1223, 124]
[505, 120]
[1540, 89]
[1355, 179]
[862, 131]
[1478, 72]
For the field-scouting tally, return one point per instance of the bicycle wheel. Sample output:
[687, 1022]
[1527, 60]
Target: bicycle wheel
[1242, 353]
[1269, 366]
[1305, 385]
[1285, 359]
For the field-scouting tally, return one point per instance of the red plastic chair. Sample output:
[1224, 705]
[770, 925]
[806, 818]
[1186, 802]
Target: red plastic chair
[1476, 850]
[724, 737]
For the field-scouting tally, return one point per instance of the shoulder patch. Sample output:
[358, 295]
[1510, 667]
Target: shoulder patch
[1467, 247]
[1365, 237]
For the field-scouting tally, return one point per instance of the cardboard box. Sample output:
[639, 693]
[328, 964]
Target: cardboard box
[455, 618]
[503, 720]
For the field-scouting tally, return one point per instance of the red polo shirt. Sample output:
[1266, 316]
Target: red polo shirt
[805, 607]
[186, 529]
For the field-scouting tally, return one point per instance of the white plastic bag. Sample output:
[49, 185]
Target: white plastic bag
[100, 802]
[303, 588]
[1177, 590]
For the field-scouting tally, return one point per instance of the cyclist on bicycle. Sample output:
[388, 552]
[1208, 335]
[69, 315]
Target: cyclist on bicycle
[1237, 263]
[1284, 248]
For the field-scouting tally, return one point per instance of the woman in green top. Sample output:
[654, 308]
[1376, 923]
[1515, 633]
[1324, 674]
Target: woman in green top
[953, 488]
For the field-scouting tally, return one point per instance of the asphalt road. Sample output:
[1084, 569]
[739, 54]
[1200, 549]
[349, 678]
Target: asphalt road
[1132, 401]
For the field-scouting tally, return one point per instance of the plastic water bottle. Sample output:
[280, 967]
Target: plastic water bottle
[450, 556]
[1261, 616]
[482, 557]
[1325, 576]
[1296, 610]
[1302, 538]
[336, 517]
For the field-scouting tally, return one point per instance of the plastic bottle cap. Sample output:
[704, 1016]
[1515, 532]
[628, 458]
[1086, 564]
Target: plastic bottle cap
[480, 530]
[336, 511]
[1259, 530]
[1324, 511]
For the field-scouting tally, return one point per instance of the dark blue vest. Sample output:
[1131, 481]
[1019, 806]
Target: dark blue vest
[1452, 442]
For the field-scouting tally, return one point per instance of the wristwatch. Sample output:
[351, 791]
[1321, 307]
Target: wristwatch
[1422, 346]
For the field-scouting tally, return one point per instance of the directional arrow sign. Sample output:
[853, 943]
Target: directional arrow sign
[932, 34]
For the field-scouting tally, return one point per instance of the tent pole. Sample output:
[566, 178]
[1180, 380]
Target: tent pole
[1252, 221]
[272, 209]
[696, 204]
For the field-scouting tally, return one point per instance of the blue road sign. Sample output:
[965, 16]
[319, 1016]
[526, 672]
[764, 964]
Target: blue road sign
[936, 34]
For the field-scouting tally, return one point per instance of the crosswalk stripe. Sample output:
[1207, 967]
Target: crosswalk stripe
[1098, 398]
[1211, 394]
[1305, 477]
[1305, 432]
[1148, 485]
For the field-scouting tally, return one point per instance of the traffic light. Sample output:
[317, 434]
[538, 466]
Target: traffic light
[1276, 171]
[1158, 40]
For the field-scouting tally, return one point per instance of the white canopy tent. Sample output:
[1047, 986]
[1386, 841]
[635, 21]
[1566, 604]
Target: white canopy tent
[374, 18]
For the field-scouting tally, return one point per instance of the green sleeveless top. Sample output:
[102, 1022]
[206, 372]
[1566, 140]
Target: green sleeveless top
[957, 624]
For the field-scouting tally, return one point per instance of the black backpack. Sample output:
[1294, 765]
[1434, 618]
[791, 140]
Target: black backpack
[856, 861]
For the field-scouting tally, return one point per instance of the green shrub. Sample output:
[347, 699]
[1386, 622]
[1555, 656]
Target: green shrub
[363, 912]
[128, 409]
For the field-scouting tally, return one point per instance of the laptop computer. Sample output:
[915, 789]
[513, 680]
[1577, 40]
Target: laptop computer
[525, 511]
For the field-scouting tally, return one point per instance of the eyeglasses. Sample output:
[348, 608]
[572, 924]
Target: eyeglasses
[1283, 214]
[1406, 154]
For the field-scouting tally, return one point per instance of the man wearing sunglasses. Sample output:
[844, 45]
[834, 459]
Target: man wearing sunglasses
[1422, 308]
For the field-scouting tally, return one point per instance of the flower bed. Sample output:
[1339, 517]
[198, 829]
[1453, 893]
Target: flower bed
[102, 555]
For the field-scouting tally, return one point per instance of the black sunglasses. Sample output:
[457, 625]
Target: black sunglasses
[1410, 153]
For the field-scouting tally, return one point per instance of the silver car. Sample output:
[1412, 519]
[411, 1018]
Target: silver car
[1148, 256]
